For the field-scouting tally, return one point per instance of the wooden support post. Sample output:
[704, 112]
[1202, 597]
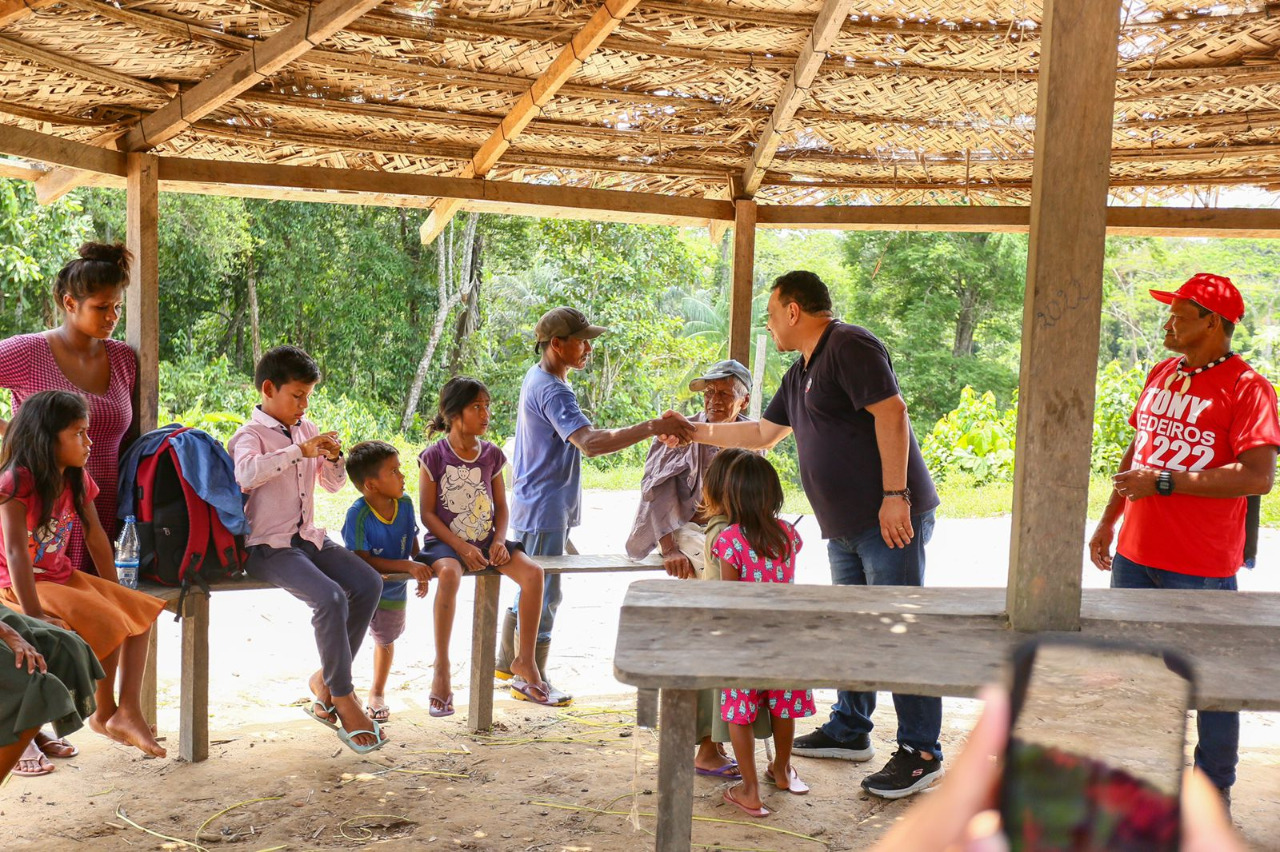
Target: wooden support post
[149, 699]
[142, 299]
[677, 729]
[647, 708]
[193, 735]
[1062, 313]
[484, 629]
[744, 262]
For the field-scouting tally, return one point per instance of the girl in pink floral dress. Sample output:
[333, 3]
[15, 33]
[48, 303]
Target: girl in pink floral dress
[759, 547]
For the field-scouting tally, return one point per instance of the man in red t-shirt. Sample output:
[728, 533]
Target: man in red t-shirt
[1207, 437]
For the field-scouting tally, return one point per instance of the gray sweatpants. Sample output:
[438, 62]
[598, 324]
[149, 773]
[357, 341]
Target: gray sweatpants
[341, 589]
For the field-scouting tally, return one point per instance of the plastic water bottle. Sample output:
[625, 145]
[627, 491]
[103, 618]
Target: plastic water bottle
[127, 554]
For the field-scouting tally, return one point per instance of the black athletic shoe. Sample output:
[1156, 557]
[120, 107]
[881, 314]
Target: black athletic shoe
[818, 744]
[905, 773]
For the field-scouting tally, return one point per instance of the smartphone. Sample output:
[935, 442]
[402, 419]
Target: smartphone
[1096, 744]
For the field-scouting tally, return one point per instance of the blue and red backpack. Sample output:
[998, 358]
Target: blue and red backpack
[180, 485]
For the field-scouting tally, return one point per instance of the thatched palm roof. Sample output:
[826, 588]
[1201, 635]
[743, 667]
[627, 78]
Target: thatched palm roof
[913, 102]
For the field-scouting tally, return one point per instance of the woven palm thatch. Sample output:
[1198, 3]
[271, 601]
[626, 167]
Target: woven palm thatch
[915, 102]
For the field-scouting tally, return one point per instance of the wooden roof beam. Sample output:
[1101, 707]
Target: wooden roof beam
[565, 65]
[825, 30]
[244, 72]
[260, 61]
[12, 11]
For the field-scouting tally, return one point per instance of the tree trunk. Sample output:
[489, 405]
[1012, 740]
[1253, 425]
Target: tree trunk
[966, 319]
[469, 317]
[255, 331]
[448, 299]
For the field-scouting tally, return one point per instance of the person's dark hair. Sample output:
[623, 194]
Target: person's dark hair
[712, 500]
[285, 364]
[364, 459]
[1228, 327]
[752, 500]
[805, 289]
[455, 396]
[31, 444]
[99, 267]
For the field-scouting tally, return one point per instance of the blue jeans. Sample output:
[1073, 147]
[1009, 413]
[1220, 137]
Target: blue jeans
[543, 544]
[865, 560]
[1218, 732]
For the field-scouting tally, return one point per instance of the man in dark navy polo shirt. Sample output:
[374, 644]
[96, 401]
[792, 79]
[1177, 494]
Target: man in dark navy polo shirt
[873, 498]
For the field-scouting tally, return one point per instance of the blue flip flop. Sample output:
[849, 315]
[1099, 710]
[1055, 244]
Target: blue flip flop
[328, 709]
[363, 749]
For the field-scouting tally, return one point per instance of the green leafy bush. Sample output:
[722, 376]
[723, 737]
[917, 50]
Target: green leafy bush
[975, 438]
[1118, 389]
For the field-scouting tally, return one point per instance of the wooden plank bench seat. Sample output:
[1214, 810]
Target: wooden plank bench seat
[193, 739]
[678, 638]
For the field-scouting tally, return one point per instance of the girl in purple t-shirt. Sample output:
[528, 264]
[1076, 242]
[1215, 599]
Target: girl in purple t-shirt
[758, 547]
[464, 508]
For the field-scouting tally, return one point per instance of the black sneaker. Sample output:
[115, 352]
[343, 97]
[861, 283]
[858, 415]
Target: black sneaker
[905, 773]
[818, 744]
[1225, 793]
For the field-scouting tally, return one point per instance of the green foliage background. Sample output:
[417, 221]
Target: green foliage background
[356, 288]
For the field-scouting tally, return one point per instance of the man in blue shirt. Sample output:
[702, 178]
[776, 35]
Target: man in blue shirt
[552, 435]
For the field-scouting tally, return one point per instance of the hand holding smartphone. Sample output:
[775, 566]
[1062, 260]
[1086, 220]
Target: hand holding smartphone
[958, 814]
[1095, 753]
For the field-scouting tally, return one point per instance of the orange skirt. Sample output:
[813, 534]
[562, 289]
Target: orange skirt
[103, 613]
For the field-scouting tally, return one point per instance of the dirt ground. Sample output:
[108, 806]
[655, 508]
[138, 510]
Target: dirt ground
[557, 780]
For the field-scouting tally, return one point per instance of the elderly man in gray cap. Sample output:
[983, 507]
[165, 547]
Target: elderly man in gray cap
[668, 517]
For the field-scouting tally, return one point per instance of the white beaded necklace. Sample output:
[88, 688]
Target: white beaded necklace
[1184, 375]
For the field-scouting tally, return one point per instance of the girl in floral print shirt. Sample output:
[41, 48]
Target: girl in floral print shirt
[759, 547]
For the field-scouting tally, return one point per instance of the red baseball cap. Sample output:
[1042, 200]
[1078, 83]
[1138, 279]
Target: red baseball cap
[1215, 292]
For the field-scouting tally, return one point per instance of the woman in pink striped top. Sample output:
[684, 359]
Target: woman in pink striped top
[80, 356]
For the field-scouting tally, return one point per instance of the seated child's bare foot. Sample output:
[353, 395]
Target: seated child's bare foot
[131, 729]
[98, 724]
[353, 718]
[526, 670]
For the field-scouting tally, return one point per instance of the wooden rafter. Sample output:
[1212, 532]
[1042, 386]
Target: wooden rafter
[825, 30]
[260, 61]
[565, 65]
[12, 11]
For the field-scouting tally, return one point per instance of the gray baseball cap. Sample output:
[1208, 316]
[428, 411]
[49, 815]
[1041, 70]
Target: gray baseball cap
[566, 322]
[722, 370]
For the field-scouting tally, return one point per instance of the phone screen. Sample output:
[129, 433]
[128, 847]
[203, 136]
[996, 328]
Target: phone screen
[1096, 748]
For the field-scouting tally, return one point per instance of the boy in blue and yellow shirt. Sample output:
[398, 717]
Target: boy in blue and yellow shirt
[381, 529]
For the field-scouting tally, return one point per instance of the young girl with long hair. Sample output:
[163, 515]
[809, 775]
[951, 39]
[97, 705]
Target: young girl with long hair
[463, 503]
[759, 547]
[45, 494]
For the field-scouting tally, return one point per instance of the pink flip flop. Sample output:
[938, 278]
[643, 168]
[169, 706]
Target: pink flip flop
[794, 786]
[758, 813]
[446, 705]
[538, 693]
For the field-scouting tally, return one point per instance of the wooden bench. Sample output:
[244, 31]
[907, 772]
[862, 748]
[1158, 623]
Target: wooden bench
[193, 732]
[677, 638]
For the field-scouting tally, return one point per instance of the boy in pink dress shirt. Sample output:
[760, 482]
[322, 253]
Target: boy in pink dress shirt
[279, 458]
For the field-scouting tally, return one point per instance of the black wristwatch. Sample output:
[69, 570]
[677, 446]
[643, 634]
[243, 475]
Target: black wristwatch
[1164, 483]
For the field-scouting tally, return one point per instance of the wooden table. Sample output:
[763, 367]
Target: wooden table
[682, 637]
[193, 738]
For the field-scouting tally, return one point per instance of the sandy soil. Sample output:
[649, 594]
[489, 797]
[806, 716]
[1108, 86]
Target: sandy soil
[536, 783]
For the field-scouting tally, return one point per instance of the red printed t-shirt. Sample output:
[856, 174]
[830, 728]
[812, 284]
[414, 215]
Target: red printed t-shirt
[48, 544]
[1227, 410]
